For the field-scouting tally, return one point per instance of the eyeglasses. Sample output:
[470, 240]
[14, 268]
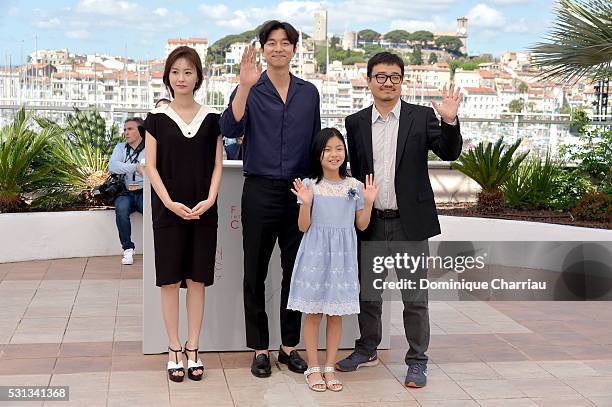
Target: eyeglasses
[381, 78]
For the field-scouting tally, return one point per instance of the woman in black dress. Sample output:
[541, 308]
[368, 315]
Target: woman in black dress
[184, 160]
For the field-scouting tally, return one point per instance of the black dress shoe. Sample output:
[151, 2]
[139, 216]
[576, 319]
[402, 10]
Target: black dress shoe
[261, 366]
[293, 360]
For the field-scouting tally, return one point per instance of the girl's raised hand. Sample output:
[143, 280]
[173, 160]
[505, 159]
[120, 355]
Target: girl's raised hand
[303, 192]
[369, 190]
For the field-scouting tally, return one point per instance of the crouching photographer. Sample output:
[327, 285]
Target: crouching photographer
[127, 164]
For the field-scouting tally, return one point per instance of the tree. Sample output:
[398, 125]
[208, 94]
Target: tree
[523, 87]
[216, 52]
[470, 66]
[433, 58]
[368, 35]
[580, 43]
[516, 106]
[371, 50]
[449, 43]
[421, 36]
[453, 64]
[352, 60]
[334, 41]
[416, 58]
[397, 36]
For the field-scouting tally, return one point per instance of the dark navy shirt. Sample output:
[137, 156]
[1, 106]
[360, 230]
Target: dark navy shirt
[277, 135]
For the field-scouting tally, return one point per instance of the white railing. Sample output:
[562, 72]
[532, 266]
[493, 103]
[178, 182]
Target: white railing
[540, 132]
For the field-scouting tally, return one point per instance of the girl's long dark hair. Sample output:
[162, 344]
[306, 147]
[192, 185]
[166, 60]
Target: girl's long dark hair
[316, 150]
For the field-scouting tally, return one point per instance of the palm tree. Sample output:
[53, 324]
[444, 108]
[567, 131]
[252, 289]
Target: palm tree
[23, 166]
[490, 165]
[580, 44]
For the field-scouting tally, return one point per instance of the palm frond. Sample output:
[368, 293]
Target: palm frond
[490, 165]
[580, 44]
[22, 169]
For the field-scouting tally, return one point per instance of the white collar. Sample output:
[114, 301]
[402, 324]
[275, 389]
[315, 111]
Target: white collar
[188, 130]
[396, 111]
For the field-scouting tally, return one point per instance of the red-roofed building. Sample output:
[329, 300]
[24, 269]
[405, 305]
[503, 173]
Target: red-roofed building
[487, 78]
[428, 76]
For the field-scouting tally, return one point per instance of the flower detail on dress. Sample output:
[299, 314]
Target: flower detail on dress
[353, 194]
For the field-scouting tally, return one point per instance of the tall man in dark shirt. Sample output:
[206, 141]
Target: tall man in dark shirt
[278, 114]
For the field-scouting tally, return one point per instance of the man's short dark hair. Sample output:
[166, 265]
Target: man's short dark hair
[139, 124]
[386, 58]
[138, 120]
[292, 35]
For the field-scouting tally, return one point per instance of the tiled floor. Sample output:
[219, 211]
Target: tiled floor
[77, 322]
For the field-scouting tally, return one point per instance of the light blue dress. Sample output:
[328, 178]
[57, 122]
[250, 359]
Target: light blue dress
[325, 278]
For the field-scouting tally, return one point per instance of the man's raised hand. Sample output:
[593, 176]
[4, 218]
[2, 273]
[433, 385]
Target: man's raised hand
[250, 70]
[451, 99]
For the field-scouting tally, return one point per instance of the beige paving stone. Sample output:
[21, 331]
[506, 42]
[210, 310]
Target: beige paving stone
[138, 398]
[141, 381]
[96, 382]
[28, 324]
[605, 401]
[521, 402]
[43, 311]
[200, 393]
[98, 323]
[490, 389]
[544, 387]
[574, 401]
[448, 403]
[405, 403]
[440, 390]
[572, 368]
[25, 379]
[88, 335]
[519, 370]
[276, 393]
[81, 399]
[603, 367]
[591, 386]
[469, 371]
[128, 333]
[41, 335]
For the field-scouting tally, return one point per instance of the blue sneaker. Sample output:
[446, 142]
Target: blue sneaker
[356, 360]
[416, 375]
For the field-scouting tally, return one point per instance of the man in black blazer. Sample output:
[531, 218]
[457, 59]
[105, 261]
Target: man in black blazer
[391, 140]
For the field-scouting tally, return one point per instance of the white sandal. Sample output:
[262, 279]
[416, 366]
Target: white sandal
[334, 384]
[319, 382]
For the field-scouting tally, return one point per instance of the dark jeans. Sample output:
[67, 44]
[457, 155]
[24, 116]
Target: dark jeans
[269, 212]
[416, 312]
[125, 205]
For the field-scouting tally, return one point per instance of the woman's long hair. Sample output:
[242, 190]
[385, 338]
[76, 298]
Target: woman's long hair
[318, 147]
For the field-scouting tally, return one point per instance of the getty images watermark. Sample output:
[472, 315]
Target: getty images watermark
[458, 264]
[486, 270]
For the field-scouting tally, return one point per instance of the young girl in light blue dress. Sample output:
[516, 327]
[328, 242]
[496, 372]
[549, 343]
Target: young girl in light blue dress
[325, 278]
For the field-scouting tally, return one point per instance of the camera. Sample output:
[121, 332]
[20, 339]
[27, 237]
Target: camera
[111, 189]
